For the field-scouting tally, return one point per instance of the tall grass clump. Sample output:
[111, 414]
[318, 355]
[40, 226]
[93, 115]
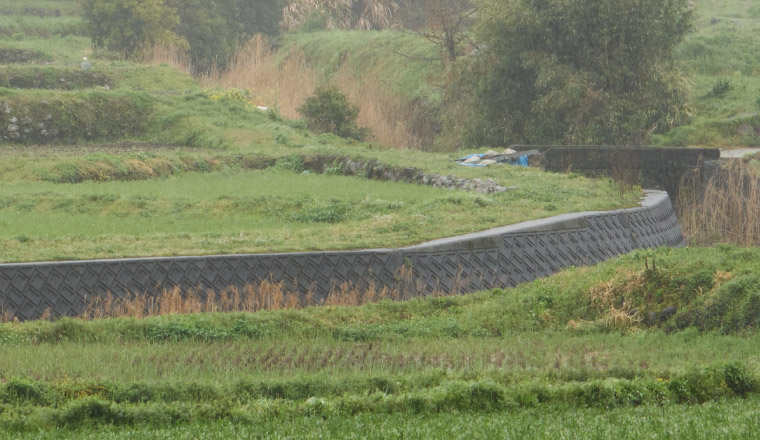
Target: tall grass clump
[253, 297]
[171, 55]
[724, 209]
[283, 84]
[394, 121]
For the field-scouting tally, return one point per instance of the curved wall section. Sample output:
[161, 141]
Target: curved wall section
[499, 257]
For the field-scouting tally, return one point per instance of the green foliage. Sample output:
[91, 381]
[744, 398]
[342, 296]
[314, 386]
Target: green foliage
[18, 56]
[210, 31]
[720, 88]
[575, 72]
[215, 29]
[291, 163]
[131, 27]
[734, 306]
[335, 212]
[74, 405]
[329, 111]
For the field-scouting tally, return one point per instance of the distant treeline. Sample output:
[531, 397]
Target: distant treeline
[209, 30]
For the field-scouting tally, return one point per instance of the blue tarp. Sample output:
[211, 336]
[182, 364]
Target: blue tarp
[471, 164]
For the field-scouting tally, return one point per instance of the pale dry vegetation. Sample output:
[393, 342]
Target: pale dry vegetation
[342, 14]
[253, 297]
[724, 209]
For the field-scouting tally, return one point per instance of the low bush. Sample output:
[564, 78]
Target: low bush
[329, 111]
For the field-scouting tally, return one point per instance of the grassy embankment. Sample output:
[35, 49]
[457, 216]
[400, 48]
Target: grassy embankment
[562, 348]
[722, 62]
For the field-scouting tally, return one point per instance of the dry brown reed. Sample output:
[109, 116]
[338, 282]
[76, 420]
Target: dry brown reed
[171, 55]
[380, 108]
[726, 208]
[262, 295]
[624, 171]
[7, 316]
[612, 298]
[283, 84]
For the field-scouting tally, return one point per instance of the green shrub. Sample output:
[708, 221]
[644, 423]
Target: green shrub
[18, 56]
[291, 163]
[720, 89]
[333, 213]
[329, 111]
[215, 29]
[738, 379]
[559, 72]
[19, 390]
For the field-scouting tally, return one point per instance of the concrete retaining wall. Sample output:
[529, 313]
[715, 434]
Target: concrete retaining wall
[651, 167]
[498, 257]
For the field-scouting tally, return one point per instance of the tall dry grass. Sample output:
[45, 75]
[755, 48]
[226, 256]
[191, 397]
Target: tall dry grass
[254, 297]
[388, 115]
[285, 83]
[726, 208]
[171, 55]
[624, 166]
[274, 83]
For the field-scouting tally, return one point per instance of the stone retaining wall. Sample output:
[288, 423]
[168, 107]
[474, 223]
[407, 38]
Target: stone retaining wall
[500, 257]
[373, 169]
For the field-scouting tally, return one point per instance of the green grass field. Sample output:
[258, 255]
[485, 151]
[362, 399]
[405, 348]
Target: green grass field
[248, 211]
[734, 420]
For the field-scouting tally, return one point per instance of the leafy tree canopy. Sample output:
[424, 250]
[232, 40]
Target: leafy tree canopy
[131, 26]
[210, 30]
[576, 71]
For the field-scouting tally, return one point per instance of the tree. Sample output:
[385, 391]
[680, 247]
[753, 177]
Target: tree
[209, 30]
[576, 71]
[215, 29]
[448, 24]
[131, 26]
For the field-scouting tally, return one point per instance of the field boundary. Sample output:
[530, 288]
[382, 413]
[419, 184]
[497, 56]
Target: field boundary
[500, 257]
